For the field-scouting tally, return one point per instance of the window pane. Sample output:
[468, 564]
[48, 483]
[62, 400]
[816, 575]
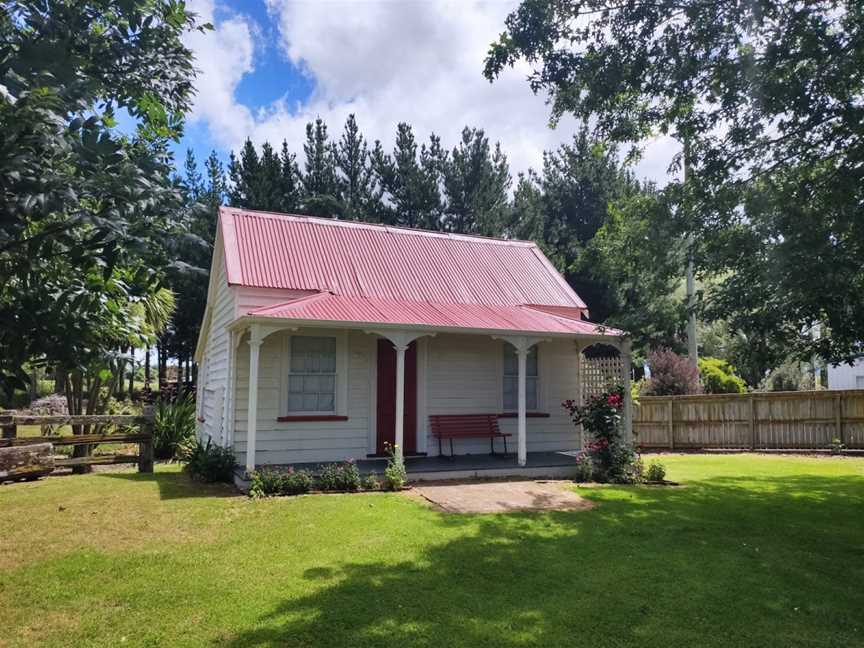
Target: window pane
[511, 362]
[295, 384]
[511, 379]
[531, 364]
[327, 384]
[295, 402]
[325, 402]
[310, 402]
[531, 393]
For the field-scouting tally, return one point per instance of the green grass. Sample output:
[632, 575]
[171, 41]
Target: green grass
[752, 551]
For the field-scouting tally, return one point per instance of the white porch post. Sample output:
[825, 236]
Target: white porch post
[522, 353]
[522, 344]
[627, 358]
[400, 397]
[255, 340]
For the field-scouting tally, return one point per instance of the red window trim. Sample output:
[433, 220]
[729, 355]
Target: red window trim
[307, 418]
[527, 415]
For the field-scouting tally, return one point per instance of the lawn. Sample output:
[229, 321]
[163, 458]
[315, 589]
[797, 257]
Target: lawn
[751, 551]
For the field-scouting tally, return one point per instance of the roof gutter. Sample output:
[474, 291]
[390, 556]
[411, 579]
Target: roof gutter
[246, 320]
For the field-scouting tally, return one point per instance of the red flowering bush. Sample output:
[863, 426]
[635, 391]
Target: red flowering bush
[612, 457]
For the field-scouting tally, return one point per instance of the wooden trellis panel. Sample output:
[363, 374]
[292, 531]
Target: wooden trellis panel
[601, 374]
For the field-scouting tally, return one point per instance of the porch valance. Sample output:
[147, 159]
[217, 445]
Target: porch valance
[528, 318]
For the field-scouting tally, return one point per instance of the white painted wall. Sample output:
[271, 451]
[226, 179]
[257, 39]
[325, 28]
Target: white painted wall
[846, 377]
[299, 442]
[458, 374]
[213, 374]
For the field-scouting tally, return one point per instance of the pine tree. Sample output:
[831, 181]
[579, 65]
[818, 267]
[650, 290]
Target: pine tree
[356, 179]
[244, 174]
[193, 183]
[289, 180]
[476, 185]
[321, 185]
[216, 186]
[410, 183]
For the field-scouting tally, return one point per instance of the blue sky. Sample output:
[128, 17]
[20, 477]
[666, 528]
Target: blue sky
[270, 66]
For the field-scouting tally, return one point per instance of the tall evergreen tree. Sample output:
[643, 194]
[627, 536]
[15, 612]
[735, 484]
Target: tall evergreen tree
[245, 173]
[476, 185]
[410, 179]
[192, 179]
[356, 176]
[321, 184]
[290, 182]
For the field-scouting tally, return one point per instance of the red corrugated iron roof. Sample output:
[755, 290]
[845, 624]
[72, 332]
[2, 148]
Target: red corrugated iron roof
[390, 263]
[326, 307]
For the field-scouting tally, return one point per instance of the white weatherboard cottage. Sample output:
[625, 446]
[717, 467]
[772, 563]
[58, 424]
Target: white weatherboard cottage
[325, 340]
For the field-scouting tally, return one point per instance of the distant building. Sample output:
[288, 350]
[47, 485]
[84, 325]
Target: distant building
[845, 376]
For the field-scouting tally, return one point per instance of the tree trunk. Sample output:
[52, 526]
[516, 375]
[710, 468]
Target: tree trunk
[34, 384]
[180, 386]
[147, 368]
[75, 404]
[59, 381]
[131, 372]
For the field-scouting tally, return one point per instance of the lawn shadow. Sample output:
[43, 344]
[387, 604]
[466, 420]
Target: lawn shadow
[718, 563]
[176, 485]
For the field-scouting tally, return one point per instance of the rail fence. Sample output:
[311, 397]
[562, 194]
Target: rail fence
[28, 457]
[805, 420]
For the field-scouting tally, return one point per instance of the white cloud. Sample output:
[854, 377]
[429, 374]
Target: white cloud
[387, 62]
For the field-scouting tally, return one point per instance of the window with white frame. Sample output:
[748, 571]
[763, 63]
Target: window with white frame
[312, 374]
[511, 379]
[859, 382]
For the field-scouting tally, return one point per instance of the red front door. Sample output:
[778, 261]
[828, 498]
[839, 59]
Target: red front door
[387, 397]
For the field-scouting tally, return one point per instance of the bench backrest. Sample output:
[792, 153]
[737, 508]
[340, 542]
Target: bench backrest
[464, 424]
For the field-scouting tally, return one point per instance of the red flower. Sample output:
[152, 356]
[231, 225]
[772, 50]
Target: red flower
[614, 400]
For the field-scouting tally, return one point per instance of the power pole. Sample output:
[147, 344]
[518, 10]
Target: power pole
[692, 345]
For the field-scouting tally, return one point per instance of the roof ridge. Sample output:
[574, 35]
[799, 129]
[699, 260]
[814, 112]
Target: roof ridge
[392, 229]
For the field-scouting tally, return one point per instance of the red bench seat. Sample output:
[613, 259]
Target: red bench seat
[467, 426]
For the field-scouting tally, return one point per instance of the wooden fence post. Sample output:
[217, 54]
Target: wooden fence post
[8, 429]
[670, 423]
[145, 447]
[838, 417]
[752, 421]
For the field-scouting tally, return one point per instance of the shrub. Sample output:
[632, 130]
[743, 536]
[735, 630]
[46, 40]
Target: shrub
[671, 375]
[656, 472]
[718, 377]
[211, 463]
[395, 475]
[174, 428]
[343, 476]
[613, 458]
[267, 483]
[837, 446]
[371, 482]
[584, 467]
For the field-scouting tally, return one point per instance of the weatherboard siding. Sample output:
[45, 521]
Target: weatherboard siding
[282, 442]
[214, 386]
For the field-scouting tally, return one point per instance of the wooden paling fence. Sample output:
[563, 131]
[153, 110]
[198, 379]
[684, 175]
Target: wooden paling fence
[806, 420]
[32, 456]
